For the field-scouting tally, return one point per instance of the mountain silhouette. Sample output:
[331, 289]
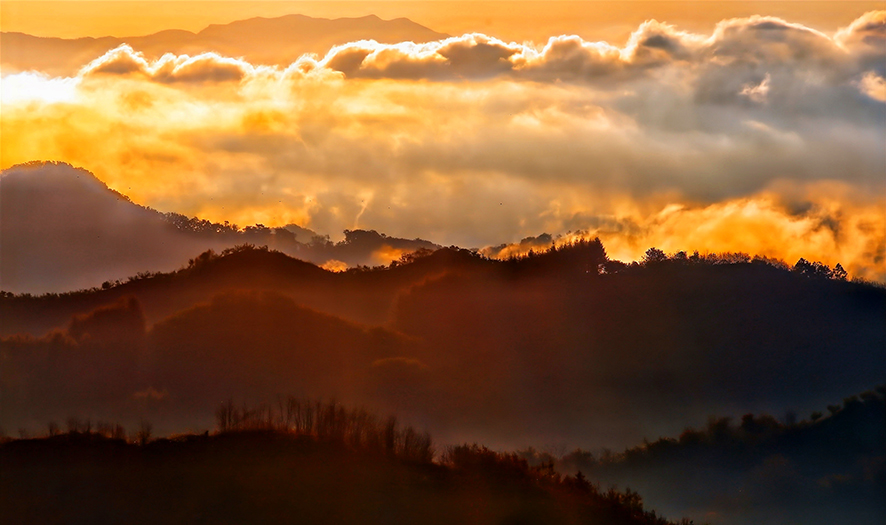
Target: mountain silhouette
[63, 229]
[239, 345]
[758, 469]
[271, 41]
[328, 464]
[565, 346]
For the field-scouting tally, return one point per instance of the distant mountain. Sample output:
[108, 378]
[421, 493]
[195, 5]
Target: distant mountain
[62, 229]
[270, 41]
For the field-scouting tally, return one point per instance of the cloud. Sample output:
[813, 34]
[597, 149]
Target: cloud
[758, 92]
[737, 44]
[539, 243]
[205, 67]
[151, 394]
[475, 141]
[334, 265]
[873, 86]
[865, 36]
[121, 60]
[782, 223]
[741, 43]
[387, 254]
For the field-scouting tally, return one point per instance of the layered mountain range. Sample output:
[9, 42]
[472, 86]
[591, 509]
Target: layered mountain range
[565, 346]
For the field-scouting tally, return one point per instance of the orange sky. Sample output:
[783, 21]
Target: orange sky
[523, 20]
[713, 131]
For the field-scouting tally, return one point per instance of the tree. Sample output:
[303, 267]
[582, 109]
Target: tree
[813, 269]
[224, 416]
[654, 256]
[144, 432]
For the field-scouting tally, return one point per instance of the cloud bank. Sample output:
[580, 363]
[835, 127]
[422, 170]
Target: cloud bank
[763, 136]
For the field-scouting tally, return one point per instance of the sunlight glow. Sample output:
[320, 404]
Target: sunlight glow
[31, 86]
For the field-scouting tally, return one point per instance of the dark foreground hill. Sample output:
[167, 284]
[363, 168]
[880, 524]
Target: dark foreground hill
[265, 477]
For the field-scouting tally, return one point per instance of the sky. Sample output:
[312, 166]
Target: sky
[713, 126]
[508, 20]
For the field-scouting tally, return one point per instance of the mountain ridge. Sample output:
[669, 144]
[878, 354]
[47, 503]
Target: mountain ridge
[100, 236]
[288, 37]
[669, 341]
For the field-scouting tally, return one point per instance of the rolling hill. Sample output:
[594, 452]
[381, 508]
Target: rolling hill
[514, 352]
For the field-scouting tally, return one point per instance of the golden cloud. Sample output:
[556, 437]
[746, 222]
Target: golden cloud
[873, 85]
[205, 67]
[334, 265]
[678, 140]
[832, 228]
